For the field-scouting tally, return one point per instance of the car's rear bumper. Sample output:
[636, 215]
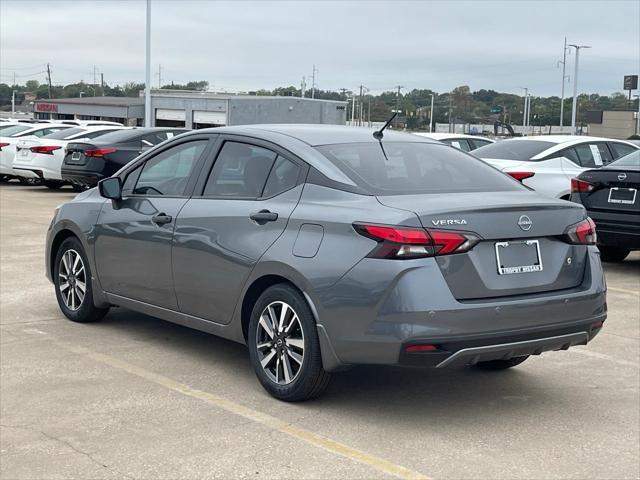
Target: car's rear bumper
[27, 172]
[416, 307]
[47, 169]
[82, 177]
[617, 229]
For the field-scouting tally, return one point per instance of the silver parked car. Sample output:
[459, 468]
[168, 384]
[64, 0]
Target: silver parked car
[322, 247]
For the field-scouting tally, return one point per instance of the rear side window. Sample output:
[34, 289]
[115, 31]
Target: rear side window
[283, 177]
[240, 171]
[414, 168]
[513, 149]
[621, 149]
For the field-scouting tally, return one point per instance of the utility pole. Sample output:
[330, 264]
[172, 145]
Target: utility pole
[102, 83]
[95, 82]
[13, 102]
[574, 108]
[159, 76]
[313, 81]
[524, 111]
[353, 110]
[395, 122]
[369, 112]
[147, 81]
[361, 102]
[303, 87]
[449, 114]
[564, 79]
[431, 115]
[49, 78]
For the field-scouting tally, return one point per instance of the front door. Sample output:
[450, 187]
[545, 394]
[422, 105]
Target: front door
[134, 235]
[244, 207]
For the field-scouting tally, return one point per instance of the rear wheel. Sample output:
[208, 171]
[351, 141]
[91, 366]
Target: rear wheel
[29, 181]
[613, 254]
[72, 279]
[284, 346]
[53, 184]
[501, 364]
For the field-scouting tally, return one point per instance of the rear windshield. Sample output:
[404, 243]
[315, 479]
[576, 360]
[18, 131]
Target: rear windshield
[121, 136]
[64, 134]
[411, 168]
[631, 160]
[7, 132]
[513, 149]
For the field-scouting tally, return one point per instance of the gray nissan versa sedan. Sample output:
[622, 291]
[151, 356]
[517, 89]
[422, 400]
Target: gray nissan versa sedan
[322, 247]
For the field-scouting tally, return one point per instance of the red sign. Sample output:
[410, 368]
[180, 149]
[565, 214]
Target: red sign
[46, 107]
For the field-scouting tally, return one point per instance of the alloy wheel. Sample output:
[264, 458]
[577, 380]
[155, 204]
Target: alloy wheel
[72, 281]
[280, 343]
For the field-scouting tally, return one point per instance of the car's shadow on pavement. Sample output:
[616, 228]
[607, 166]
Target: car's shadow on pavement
[630, 265]
[370, 391]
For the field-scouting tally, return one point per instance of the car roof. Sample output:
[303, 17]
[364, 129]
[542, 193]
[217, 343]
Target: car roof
[447, 136]
[315, 135]
[558, 139]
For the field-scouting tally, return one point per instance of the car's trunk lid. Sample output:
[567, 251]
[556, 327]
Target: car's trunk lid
[613, 190]
[74, 154]
[525, 228]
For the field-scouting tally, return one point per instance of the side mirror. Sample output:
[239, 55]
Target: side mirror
[111, 188]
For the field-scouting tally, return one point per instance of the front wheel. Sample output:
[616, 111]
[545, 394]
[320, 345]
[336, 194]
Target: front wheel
[72, 279]
[613, 254]
[284, 346]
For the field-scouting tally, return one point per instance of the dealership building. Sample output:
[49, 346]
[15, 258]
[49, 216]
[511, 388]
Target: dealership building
[180, 108]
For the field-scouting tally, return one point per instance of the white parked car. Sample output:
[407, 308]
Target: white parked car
[41, 158]
[548, 163]
[89, 123]
[9, 138]
[458, 140]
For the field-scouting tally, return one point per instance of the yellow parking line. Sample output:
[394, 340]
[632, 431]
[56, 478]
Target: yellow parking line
[624, 290]
[267, 420]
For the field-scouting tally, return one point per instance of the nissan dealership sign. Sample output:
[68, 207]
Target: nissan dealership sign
[46, 107]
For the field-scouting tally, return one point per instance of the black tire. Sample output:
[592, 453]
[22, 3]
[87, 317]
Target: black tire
[85, 310]
[501, 364]
[29, 181]
[53, 184]
[613, 254]
[310, 379]
[4, 178]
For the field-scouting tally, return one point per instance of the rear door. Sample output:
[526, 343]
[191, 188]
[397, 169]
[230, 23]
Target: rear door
[133, 237]
[245, 200]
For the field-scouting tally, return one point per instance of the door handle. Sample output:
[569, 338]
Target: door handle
[161, 218]
[263, 216]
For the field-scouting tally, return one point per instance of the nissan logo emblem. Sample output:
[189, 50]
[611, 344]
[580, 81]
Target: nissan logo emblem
[525, 223]
[622, 176]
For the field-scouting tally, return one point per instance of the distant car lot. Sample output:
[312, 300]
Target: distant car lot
[135, 396]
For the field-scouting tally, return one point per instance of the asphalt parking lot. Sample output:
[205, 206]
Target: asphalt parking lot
[135, 397]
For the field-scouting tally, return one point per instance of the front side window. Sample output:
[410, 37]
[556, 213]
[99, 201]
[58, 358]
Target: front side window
[459, 143]
[240, 171]
[415, 168]
[621, 149]
[593, 154]
[167, 173]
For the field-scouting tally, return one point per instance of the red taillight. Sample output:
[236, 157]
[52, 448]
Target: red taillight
[98, 152]
[407, 243]
[583, 233]
[580, 186]
[521, 175]
[421, 348]
[46, 149]
[3, 144]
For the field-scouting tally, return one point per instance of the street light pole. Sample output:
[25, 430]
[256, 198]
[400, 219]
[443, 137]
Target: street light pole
[147, 81]
[564, 78]
[574, 108]
[524, 111]
[431, 115]
[13, 102]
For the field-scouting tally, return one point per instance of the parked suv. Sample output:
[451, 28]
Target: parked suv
[85, 163]
[322, 247]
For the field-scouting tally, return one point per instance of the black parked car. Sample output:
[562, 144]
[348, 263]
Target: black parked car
[87, 163]
[610, 195]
